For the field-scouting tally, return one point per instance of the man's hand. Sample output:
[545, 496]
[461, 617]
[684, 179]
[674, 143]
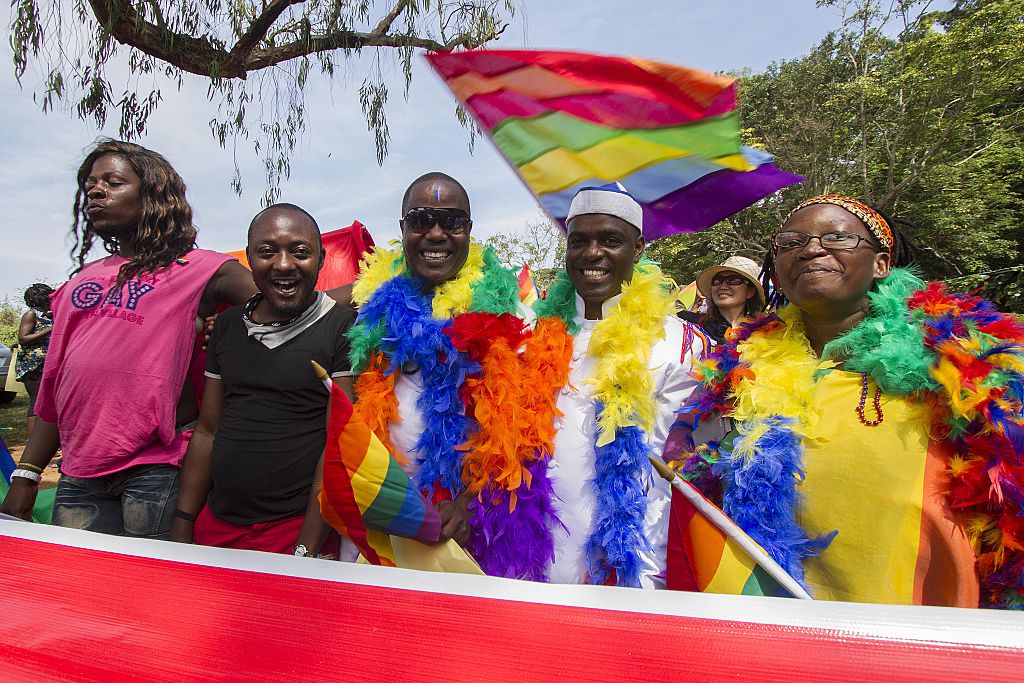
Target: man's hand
[181, 531]
[455, 519]
[20, 498]
[208, 324]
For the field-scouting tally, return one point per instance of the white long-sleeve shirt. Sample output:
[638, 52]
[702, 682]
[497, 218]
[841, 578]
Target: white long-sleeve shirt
[572, 467]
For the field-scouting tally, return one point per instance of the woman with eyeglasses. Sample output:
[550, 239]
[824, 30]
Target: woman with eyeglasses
[877, 429]
[732, 292]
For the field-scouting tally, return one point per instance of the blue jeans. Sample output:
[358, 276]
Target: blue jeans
[138, 501]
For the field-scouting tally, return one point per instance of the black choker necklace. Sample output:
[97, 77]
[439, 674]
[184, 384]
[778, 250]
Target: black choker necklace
[251, 305]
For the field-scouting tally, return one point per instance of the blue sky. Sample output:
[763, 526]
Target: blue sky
[334, 171]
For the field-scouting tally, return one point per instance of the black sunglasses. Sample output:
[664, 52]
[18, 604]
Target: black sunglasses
[733, 280]
[422, 219]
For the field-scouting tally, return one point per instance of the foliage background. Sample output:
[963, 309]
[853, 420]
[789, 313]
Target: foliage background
[914, 110]
[917, 112]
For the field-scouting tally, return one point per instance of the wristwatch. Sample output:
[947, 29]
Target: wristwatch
[301, 551]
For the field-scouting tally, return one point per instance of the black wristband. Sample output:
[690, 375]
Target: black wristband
[181, 514]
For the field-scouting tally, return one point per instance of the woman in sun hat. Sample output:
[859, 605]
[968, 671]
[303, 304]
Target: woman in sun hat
[732, 292]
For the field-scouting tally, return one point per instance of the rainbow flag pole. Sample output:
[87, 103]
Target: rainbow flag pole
[720, 557]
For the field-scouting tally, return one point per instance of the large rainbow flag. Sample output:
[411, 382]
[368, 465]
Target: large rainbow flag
[709, 553]
[366, 495]
[566, 120]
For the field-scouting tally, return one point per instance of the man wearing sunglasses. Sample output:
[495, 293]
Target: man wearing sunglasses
[410, 375]
[435, 228]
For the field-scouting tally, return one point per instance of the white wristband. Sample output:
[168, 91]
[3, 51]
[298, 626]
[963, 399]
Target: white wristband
[27, 474]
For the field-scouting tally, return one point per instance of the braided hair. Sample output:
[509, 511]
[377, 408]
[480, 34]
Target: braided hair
[902, 254]
[164, 232]
[38, 296]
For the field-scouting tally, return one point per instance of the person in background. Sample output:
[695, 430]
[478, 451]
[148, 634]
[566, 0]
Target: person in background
[114, 394]
[253, 469]
[33, 338]
[876, 445]
[732, 291]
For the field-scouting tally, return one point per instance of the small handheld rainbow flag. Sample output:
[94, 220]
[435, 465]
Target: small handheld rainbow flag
[528, 292]
[565, 120]
[709, 553]
[366, 495]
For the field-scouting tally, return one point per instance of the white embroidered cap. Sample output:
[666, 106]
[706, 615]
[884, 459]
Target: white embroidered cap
[612, 200]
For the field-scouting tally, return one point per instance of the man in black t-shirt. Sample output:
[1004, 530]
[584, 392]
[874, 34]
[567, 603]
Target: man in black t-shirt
[252, 472]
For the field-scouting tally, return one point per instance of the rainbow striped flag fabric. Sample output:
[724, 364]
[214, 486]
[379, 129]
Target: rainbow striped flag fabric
[566, 120]
[709, 553]
[528, 292]
[366, 495]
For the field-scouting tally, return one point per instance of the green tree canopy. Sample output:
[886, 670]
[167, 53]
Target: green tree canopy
[917, 112]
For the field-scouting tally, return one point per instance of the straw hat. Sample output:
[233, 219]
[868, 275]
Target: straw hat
[740, 265]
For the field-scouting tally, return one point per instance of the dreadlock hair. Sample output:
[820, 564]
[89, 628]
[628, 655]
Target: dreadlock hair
[38, 296]
[903, 255]
[164, 232]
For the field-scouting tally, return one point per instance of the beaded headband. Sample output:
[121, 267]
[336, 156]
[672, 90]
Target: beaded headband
[868, 216]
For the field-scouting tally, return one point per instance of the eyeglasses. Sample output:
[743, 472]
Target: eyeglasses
[841, 241]
[734, 280]
[422, 219]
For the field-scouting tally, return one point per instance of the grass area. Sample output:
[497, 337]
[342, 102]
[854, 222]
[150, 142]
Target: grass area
[12, 421]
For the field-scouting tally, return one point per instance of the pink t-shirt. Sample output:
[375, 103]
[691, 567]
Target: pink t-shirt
[117, 362]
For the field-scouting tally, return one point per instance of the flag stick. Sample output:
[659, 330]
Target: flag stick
[730, 529]
[321, 374]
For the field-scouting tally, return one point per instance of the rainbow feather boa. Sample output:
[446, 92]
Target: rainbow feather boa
[955, 351]
[487, 401]
[623, 393]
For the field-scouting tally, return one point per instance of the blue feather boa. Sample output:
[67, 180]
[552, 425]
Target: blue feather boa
[618, 536]
[410, 334]
[762, 493]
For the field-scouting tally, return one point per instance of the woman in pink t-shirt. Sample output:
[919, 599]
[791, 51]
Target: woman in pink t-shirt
[114, 394]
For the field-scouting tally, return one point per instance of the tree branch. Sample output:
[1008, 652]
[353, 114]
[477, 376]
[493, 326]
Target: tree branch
[199, 56]
[918, 167]
[470, 44]
[338, 40]
[257, 31]
[384, 24]
[940, 256]
[184, 51]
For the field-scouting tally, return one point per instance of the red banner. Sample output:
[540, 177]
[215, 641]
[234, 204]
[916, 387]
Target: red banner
[85, 607]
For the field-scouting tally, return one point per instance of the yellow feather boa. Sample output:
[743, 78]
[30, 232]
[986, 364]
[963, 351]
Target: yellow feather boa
[621, 344]
[785, 366]
[451, 298]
